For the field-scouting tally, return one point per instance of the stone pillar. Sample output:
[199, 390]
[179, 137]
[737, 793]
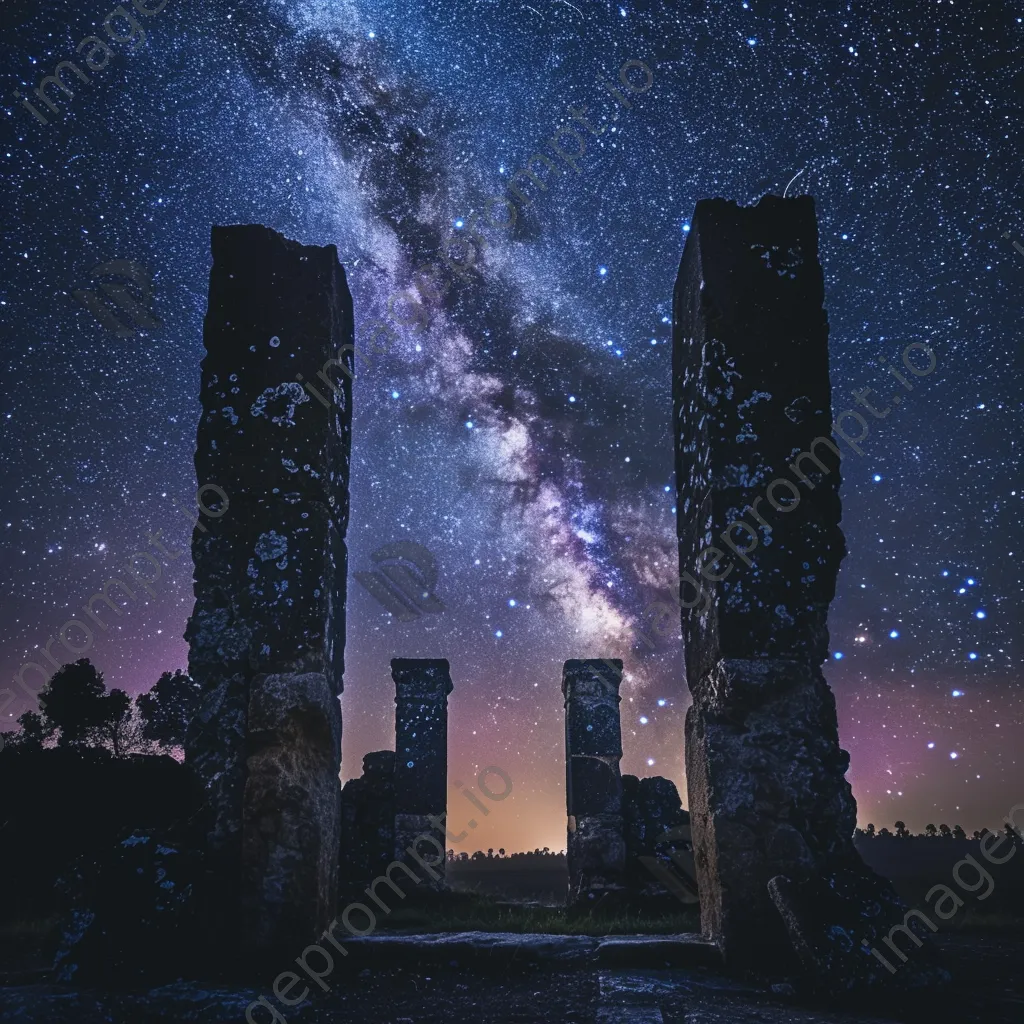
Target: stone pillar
[267, 631]
[759, 549]
[595, 847]
[422, 686]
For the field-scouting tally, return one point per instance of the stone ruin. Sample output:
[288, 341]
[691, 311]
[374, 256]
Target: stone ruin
[402, 796]
[266, 636]
[656, 830]
[595, 846]
[367, 841]
[771, 812]
[623, 833]
[421, 761]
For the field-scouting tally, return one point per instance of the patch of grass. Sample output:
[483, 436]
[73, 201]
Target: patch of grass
[470, 913]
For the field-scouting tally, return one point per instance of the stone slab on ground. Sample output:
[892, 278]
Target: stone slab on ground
[686, 950]
[689, 949]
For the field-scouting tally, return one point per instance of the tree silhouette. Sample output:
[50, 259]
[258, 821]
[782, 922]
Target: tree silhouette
[115, 727]
[931, 830]
[32, 732]
[901, 830]
[945, 832]
[958, 832]
[501, 851]
[884, 832]
[72, 703]
[76, 707]
[870, 831]
[168, 708]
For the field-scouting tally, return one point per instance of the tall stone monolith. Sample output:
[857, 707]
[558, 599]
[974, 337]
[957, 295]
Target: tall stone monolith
[422, 686]
[595, 843]
[267, 631]
[757, 475]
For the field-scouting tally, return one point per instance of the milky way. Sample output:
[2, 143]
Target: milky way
[519, 426]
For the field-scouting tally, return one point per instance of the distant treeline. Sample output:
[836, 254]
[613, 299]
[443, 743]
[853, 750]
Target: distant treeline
[930, 832]
[540, 858]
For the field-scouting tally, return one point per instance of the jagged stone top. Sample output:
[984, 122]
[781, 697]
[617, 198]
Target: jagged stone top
[379, 762]
[260, 234]
[594, 677]
[771, 243]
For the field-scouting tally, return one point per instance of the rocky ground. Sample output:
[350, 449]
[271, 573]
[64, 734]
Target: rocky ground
[527, 984]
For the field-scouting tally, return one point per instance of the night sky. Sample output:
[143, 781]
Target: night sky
[523, 436]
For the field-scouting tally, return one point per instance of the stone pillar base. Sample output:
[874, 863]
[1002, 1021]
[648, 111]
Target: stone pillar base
[768, 797]
[291, 810]
[597, 856]
[415, 832]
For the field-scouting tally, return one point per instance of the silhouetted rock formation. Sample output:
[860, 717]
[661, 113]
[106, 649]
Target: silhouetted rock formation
[422, 686]
[758, 476]
[267, 631]
[368, 820]
[595, 848]
[656, 831]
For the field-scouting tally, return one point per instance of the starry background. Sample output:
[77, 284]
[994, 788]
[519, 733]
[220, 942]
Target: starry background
[523, 436]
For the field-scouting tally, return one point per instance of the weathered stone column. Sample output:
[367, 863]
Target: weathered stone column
[758, 523]
[595, 847]
[422, 686]
[267, 632]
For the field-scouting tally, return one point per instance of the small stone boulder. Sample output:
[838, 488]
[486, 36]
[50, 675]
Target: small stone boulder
[844, 926]
[659, 858]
